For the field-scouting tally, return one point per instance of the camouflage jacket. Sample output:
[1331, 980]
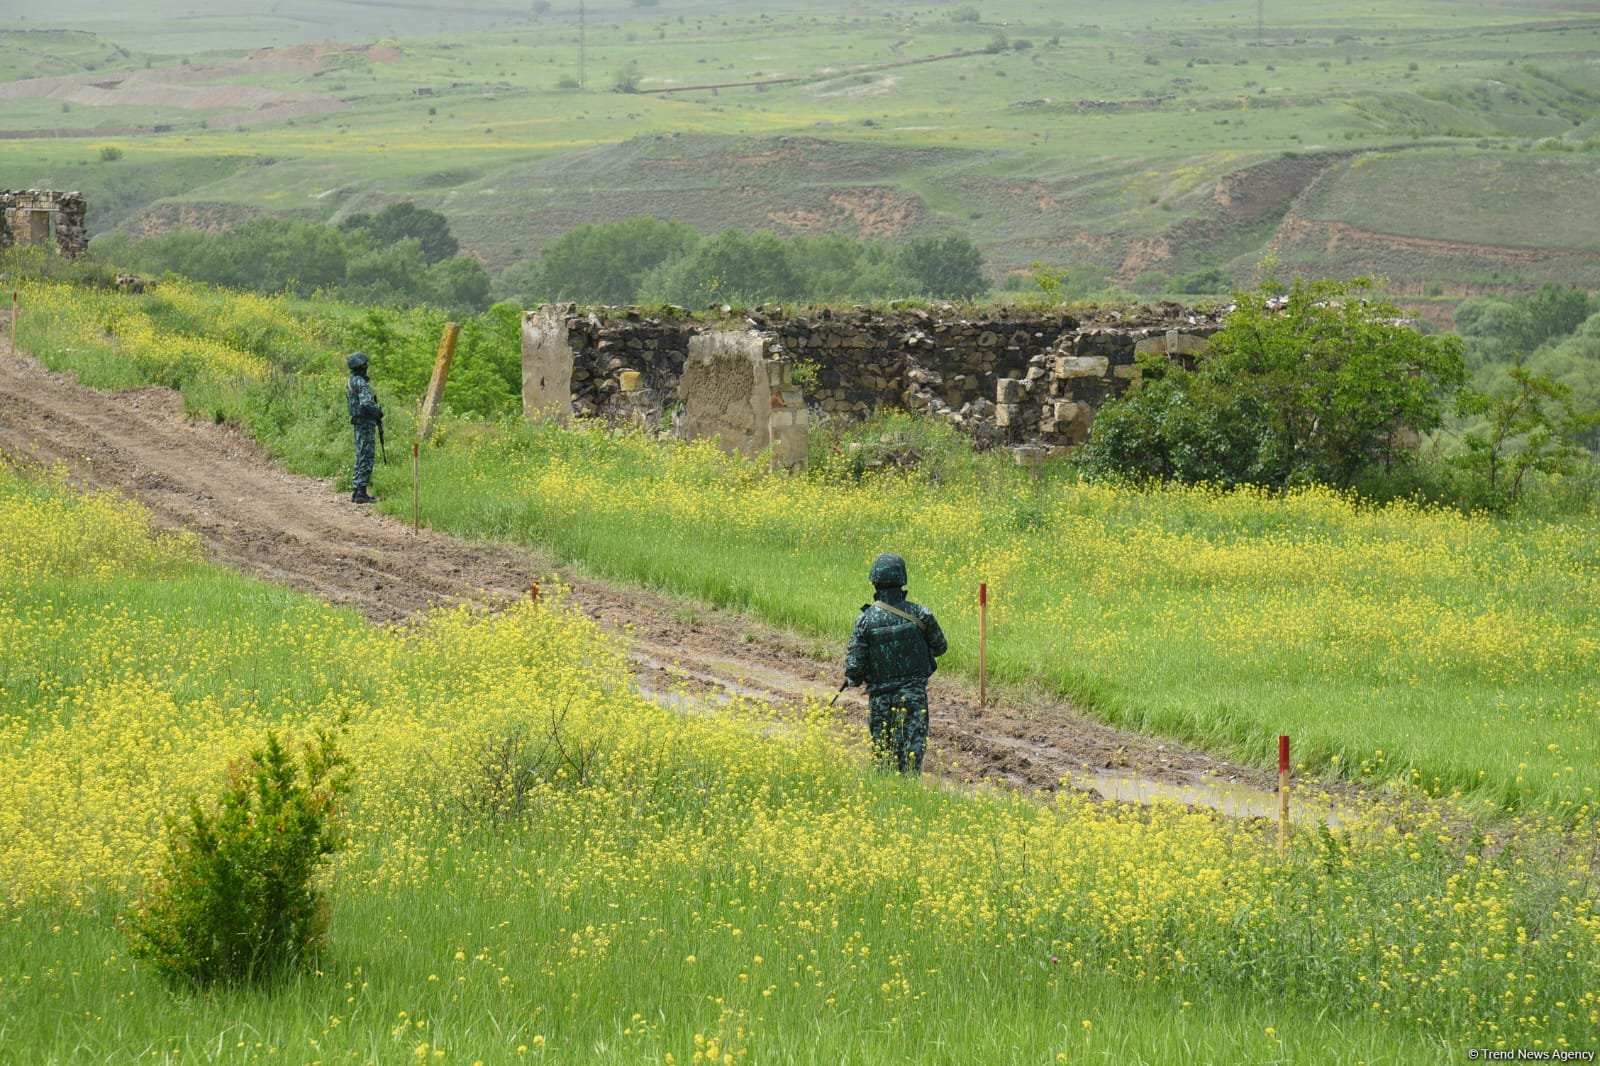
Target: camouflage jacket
[887, 651]
[362, 401]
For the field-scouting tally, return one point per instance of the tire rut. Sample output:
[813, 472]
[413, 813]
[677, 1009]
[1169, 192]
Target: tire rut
[251, 515]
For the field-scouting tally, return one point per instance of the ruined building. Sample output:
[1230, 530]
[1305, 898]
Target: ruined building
[1027, 379]
[43, 217]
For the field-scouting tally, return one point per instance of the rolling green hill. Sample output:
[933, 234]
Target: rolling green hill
[1446, 146]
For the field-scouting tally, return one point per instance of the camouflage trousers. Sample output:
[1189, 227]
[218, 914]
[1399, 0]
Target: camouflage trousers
[366, 454]
[898, 722]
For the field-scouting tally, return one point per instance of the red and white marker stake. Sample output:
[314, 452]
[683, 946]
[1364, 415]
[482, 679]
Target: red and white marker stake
[983, 644]
[1283, 794]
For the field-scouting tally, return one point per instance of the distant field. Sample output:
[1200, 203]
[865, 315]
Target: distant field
[1077, 134]
[1467, 192]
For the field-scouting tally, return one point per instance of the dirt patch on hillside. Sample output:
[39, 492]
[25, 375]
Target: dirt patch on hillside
[209, 217]
[871, 211]
[254, 516]
[1237, 201]
[200, 87]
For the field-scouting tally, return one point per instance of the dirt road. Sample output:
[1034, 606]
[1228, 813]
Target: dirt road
[252, 515]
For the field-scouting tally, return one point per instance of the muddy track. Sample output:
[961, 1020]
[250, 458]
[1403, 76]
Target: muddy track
[252, 515]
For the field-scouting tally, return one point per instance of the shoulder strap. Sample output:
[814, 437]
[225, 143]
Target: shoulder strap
[922, 627]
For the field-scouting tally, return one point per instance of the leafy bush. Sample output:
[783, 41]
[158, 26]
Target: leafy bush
[235, 900]
[1321, 387]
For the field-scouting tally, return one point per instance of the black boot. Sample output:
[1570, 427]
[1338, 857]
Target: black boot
[360, 495]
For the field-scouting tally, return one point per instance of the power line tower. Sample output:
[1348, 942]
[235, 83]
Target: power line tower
[583, 44]
[1261, 19]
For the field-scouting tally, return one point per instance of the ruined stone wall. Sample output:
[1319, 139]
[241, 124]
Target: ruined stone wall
[946, 364]
[28, 215]
[1053, 403]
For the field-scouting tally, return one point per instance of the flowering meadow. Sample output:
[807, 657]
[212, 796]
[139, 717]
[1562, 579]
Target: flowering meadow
[714, 886]
[1396, 644]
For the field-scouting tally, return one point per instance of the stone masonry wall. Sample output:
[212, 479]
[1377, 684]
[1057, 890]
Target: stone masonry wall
[23, 219]
[1049, 370]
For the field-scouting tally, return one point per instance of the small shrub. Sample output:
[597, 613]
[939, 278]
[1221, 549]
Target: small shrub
[235, 901]
[110, 154]
[511, 768]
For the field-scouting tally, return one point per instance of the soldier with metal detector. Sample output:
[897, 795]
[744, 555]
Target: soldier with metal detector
[892, 652]
[367, 419]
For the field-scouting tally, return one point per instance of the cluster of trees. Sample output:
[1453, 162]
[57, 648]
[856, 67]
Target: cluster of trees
[401, 255]
[651, 260]
[1323, 384]
[1533, 405]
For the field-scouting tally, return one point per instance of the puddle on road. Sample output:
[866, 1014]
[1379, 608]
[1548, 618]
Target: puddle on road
[1225, 797]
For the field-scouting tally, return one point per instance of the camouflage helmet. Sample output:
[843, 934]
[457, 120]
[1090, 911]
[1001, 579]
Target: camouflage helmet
[888, 571]
[357, 361]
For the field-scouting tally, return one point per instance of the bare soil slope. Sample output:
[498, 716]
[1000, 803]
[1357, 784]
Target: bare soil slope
[252, 515]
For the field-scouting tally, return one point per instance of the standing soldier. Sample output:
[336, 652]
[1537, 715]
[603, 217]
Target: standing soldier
[892, 652]
[367, 418]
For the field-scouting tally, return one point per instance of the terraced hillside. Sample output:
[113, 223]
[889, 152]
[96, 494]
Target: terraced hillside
[1447, 146]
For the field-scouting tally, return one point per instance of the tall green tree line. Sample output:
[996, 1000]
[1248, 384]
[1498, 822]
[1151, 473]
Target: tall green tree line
[652, 260]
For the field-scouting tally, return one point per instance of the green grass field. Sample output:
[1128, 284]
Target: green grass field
[1085, 129]
[705, 887]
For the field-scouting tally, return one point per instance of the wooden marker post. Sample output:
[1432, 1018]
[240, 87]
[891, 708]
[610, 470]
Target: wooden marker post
[13, 321]
[441, 374]
[983, 644]
[416, 482]
[1283, 794]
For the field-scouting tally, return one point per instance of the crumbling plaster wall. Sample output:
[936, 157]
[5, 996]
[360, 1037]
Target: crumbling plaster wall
[723, 390]
[547, 364]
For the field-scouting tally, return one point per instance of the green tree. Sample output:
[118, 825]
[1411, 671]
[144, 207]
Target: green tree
[948, 267]
[836, 266]
[1528, 425]
[406, 221]
[1499, 330]
[733, 267]
[460, 284]
[1319, 385]
[604, 262]
[387, 274]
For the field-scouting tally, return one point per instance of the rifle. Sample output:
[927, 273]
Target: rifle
[383, 449]
[836, 695]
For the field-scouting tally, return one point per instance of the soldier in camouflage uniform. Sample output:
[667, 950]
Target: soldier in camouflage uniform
[367, 418]
[892, 652]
